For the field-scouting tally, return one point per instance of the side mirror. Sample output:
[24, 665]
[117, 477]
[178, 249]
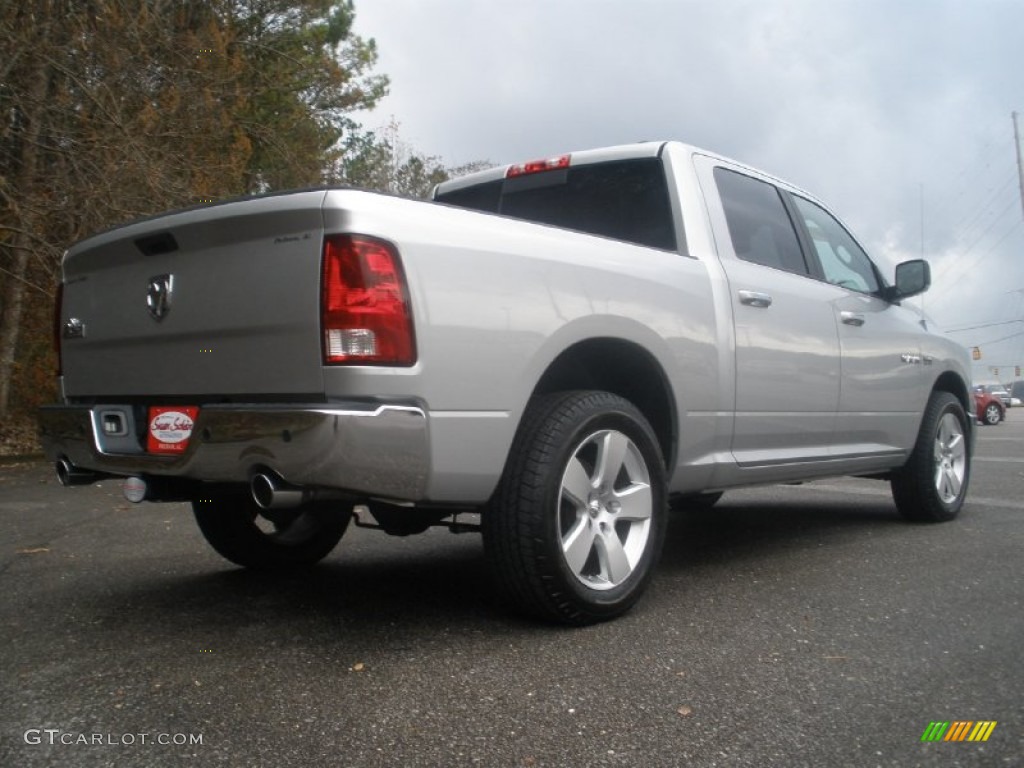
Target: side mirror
[912, 277]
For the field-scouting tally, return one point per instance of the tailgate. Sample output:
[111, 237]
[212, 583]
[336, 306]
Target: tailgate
[216, 301]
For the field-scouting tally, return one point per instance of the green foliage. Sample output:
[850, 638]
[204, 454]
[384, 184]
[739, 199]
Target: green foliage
[114, 109]
[382, 161]
[304, 72]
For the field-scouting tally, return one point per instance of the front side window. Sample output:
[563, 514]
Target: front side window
[759, 226]
[843, 262]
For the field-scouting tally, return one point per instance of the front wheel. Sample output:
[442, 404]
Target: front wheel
[932, 485]
[578, 521]
[238, 529]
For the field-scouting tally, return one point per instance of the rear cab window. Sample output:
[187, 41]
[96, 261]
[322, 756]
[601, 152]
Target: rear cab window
[620, 199]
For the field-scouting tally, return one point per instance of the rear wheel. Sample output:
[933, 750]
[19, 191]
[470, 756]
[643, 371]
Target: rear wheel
[993, 414]
[932, 485]
[578, 521]
[238, 529]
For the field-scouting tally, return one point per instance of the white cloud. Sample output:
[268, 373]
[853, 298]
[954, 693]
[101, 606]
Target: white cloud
[861, 102]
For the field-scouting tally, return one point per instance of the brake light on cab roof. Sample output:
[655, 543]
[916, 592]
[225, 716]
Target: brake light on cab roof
[538, 166]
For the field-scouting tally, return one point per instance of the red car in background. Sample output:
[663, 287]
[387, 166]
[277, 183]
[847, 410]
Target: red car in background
[987, 407]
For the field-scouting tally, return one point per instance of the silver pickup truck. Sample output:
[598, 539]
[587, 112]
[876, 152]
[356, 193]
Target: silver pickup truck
[556, 352]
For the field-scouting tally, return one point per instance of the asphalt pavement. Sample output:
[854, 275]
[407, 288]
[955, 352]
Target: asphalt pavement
[789, 626]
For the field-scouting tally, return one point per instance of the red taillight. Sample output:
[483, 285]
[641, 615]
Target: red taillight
[538, 166]
[365, 312]
[57, 302]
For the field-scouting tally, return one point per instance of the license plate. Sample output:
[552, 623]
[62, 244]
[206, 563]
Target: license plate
[170, 427]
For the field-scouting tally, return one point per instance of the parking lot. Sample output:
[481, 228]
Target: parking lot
[789, 626]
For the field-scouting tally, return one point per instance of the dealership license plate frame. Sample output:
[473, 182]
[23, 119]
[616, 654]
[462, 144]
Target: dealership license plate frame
[169, 428]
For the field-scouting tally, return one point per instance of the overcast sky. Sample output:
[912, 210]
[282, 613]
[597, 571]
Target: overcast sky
[864, 103]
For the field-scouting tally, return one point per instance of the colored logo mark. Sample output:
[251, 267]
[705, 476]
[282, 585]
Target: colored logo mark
[959, 730]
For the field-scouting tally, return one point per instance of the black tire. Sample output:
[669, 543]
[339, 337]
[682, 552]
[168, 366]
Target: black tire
[694, 501]
[566, 441]
[239, 530]
[993, 414]
[932, 485]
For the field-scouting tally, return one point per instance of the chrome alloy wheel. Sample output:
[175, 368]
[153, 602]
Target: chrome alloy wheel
[605, 508]
[992, 414]
[950, 458]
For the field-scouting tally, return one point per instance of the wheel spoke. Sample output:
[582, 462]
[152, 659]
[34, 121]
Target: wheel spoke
[611, 554]
[636, 501]
[952, 483]
[957, 447]
[611, 455]
[576, 483]
[577, 544]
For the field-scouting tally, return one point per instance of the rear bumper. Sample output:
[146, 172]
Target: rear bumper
[367, 449]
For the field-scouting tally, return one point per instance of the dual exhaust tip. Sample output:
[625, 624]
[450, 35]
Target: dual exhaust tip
[68, 474]
[271, 492]
[268, 490]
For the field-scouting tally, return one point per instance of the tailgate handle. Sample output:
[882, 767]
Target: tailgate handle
[154, 245]
[755, 299]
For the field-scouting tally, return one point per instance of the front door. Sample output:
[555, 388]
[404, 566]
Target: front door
[884, 372]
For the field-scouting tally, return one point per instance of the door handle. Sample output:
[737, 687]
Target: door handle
[852, 318]
[755, 299]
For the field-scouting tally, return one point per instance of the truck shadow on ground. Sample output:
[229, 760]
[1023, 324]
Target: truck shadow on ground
[437, 582]
[736, 531]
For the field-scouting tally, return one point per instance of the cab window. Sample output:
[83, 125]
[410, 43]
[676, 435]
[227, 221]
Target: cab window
[843, 262]
[759, 226]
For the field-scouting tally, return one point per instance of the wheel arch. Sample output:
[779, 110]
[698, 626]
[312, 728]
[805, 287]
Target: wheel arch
[624, 368]
[954, 384]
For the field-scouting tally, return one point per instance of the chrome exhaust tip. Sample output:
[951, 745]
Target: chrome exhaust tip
[270, 492]
[68, 474]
